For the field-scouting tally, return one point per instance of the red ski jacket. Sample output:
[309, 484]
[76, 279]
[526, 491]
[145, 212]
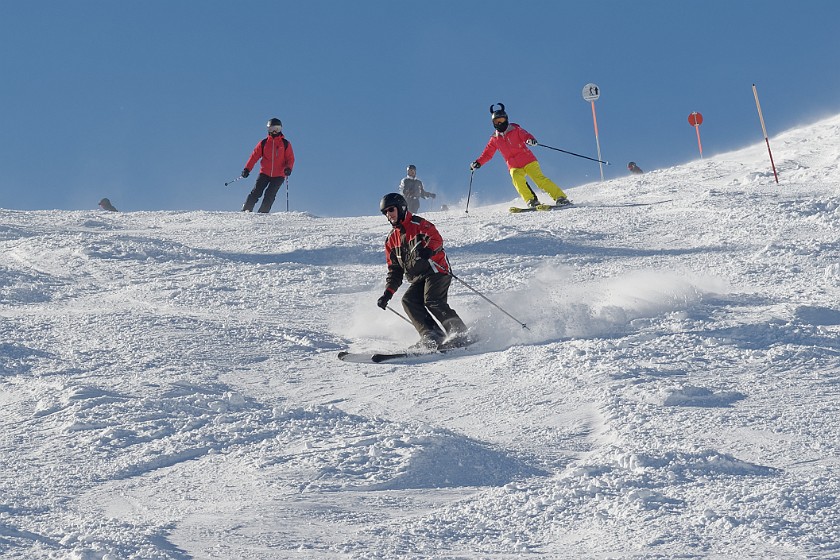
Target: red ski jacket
[277, 155]
[401, 252]
[512, 145]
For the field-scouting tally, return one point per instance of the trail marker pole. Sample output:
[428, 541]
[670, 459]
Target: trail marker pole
[695, 119]
[764, 130]
[591, 92]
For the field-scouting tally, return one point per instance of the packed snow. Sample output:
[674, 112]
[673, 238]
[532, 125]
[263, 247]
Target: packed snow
[170, 385]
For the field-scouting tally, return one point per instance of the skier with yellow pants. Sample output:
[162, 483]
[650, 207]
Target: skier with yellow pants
[512, 141]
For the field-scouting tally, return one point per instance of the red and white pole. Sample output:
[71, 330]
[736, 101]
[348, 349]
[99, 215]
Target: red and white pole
[764, 130]
[591, 92]
[695, 119]
[597, 139]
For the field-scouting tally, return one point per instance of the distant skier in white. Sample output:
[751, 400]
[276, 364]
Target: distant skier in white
[412, 189]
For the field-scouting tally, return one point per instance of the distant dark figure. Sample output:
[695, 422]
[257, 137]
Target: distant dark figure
[412, 189]
[105, 204]
[634, 169]
[277, 162]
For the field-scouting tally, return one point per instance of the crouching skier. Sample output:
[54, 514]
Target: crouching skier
[414, 250]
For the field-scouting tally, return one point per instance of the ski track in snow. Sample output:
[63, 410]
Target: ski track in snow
[170, 386]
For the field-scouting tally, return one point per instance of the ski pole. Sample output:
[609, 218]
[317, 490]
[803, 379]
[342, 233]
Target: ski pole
[287, 194]
[764, 130]
[488, 300]
[235, 180]
[400, 315]
[469, 192]
[573, 154]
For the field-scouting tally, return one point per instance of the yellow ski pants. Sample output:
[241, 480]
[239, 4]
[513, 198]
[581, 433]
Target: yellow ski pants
[532, 170]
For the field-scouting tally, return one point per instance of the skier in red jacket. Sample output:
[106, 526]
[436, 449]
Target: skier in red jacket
[414, 251]
[513, 141]
[278, 160]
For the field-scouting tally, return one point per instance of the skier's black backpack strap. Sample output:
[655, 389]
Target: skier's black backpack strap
[264, 140]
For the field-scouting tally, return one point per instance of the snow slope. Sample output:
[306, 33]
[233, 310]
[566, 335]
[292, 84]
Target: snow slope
[170, 387]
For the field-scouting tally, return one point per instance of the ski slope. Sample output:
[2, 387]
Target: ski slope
[170, 387]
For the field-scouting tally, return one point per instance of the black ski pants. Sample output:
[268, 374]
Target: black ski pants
[425, 301]
[263, 181]
[413, 204]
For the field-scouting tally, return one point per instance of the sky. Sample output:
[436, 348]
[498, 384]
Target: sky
[157, 104]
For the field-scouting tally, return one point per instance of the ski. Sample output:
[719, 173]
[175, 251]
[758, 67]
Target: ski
[633, 204]
[379, 357]
[546, 207]
[540, 208]
[374, 357]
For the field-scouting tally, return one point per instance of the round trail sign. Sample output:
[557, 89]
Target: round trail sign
[695, 119]
[591, 92]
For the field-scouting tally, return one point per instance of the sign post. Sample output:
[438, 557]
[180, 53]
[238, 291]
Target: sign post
[591, 92]
[764, 130]
[695, 119]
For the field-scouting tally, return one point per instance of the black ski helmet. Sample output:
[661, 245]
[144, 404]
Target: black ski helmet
[499, 114]
[394, 199]
[274, 122]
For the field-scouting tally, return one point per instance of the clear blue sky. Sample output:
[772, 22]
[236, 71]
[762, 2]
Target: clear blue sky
[157, 103]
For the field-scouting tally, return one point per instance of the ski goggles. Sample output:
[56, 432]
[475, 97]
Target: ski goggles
[499, 120]
[275, 129]
[388, 210]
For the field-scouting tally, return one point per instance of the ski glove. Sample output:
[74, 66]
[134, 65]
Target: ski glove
[423, 252]
[531, 141]
[474, 165]
[287, 171]
[431, 195]
[245, 173]
[384, 299]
